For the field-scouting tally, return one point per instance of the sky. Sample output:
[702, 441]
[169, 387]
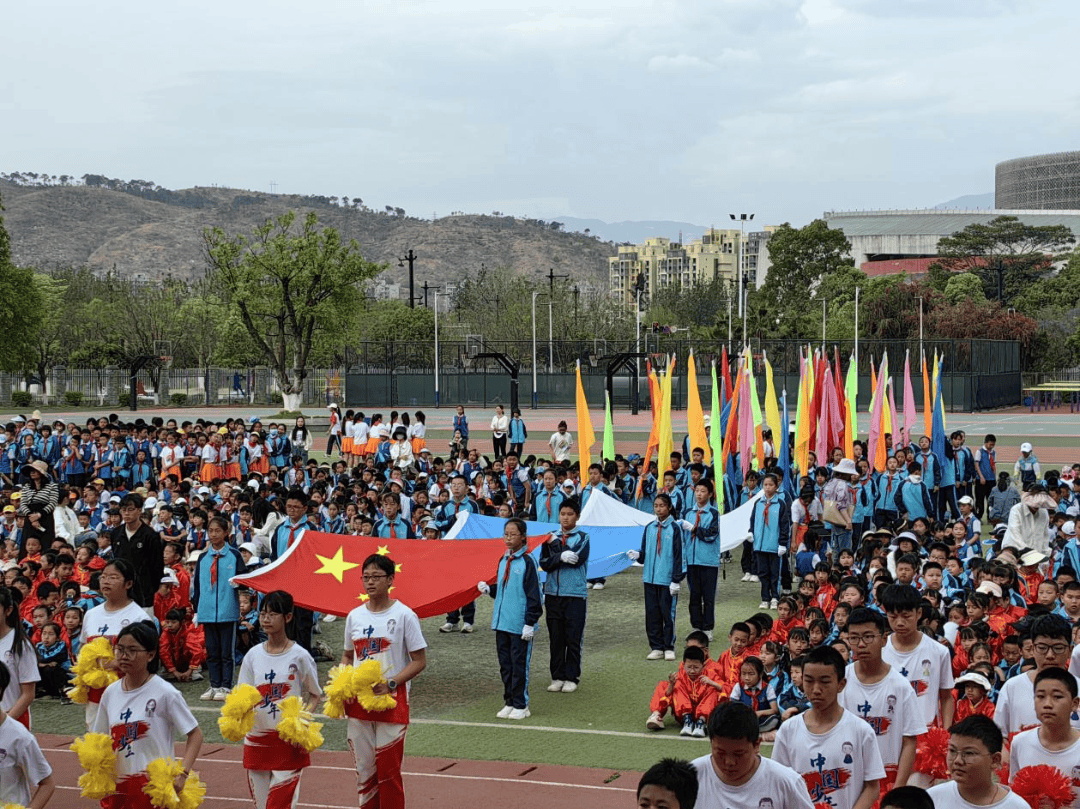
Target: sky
[642, 110]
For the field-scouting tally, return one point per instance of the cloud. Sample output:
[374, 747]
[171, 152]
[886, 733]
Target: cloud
[672, 64]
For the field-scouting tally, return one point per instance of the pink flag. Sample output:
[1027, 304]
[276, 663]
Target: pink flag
[831, 425]
[909, 405]
[746, 421]
[876, 407]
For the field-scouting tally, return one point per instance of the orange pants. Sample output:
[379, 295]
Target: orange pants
[660, 701]
[697, 702]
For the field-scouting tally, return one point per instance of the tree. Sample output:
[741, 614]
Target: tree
[22, 308]
[1004, 250]
[964, 286]
[286, 284]
[801, 258]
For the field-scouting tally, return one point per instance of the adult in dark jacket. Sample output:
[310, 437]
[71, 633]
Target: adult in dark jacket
[39, 495]
[141, 546]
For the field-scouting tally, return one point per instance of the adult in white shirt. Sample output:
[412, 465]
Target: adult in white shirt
[560, 443]
[735, 775]
[500, 426]
[1029, 521]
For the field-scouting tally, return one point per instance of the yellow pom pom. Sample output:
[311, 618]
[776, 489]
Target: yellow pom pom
[97, 757]
[369, 674]
[338, 690]
[14, 806]
[160, 774]
[296, 726]
[89, 671]
[193, 793]
[238, 712]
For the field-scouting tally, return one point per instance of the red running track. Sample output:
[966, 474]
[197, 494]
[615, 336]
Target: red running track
[330, 782]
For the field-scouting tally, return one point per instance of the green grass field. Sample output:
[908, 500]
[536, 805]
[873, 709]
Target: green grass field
[454, 701]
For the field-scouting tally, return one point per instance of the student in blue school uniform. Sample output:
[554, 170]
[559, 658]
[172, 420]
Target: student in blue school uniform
[770, 524]
[514, 616]
[661, 555]
[913, 497]
[548, 500]
[217, 605]
[886, 485]
[518, 433]
[701, 550]
[565, 559]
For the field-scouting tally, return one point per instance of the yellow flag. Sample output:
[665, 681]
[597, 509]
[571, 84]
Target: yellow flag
[695, 416]
[772, 407]
[586, 437]
[663, 454]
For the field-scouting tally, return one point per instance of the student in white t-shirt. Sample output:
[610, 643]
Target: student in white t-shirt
[877, 693]
[386, 630]
[25, 776]
[143, 714]
[974, 753]
[735, 775]
[279, 668]
[1056, 742]
[1051, 639]
[924, 662]
[17, 653]
[832, 749]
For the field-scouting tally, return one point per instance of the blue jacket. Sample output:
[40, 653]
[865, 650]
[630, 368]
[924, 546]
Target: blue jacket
[516, 592]
[914, 499]
[964, 463]
[662, 553]
[929, 465]
[220, 602]
[545, 507]
[461, 424]
[946, 466]
[518, 431]
[446, 514]
[769, 537]
[280, 542]
[886, 490]
[564, 579]
[588, 489]
[402, 529]
[864, 500]
[701, 546]
[984, 466]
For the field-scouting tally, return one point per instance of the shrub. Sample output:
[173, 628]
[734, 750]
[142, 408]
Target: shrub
[178, 399]
[124, 399]
[74, 398]
[21, 398]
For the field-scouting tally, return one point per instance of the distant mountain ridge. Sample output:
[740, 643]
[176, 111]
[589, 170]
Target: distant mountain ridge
[634, 232]
[969, 202]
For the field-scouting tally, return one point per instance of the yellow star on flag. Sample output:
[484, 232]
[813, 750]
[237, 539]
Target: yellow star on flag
[397, 567]
[363, 597]
[392, 586]
[383, 551]
[335, 565]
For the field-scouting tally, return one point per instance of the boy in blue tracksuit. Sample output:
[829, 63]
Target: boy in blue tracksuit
[514, 616]
[217, 605]
[770, 524]
[661, 555]
[701, 551]
[565, 558]
[886, 485]
[913, 497]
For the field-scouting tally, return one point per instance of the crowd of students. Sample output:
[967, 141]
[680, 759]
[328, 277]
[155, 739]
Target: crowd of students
[881, 593]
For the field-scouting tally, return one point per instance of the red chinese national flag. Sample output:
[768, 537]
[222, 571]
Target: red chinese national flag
[323, 572]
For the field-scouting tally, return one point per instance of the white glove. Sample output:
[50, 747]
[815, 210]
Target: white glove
[782, 550]
[569, 557]
[483, 587]
[689, 526]
[633, 556]
[528, 633]
[674, 588]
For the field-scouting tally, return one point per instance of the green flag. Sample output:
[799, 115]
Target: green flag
[609, 430]
[716, 441]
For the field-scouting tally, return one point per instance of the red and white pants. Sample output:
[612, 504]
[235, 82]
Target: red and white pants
[274, 789]
[379, 748]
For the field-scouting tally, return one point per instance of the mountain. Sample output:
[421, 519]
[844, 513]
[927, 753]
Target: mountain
[969, 202]
[633, 232]
[141, 229]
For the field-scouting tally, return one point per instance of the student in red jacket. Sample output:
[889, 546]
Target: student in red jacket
[183, 647]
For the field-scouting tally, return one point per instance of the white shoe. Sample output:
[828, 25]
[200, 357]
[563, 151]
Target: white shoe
[655, 721]
[753, 578]
[466, 629]
[519, 713]
[196, 676]
[505, 712]
[773, 604]
[746, 577]
[708, 634]
[655, 654]
[329, 619]
[556, 685]
[208, 694]
[764, 605]
[221, 695]
[669, 655]
[637, 564]
[598, 586]
[448, 627]
[569, 687]
[699, 729]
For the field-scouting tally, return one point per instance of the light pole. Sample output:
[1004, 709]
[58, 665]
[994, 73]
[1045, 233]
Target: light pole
[919, 299]
[742, 219]
[409, 257]
[436, 349]
[551, 335]
[534, 403]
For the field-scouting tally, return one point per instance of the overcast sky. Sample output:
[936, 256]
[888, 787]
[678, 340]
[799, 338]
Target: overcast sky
[640, 110]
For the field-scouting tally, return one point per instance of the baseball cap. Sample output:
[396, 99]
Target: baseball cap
[1068, 528]
[1025, 447]
[9, 509]
[1033, 558]
[990, 588]
[975, 678]
[169, 577]
[967, 501]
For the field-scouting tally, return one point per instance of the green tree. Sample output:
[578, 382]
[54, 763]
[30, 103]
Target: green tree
[286, 284]
[964, 286]
[801, 258]
[22, 308]
[1007, 248]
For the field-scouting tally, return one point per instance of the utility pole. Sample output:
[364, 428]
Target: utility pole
[409, 257]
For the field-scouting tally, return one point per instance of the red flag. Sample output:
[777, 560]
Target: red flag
[323, 572]
[841, 393]
[820, 379]
[728, 390]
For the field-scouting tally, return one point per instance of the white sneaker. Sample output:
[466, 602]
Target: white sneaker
[519, 713]
[598, 586]
[221, 695]
[773, 604]
[708, 634]
[208, 694]
[637, 564]
[699, 729]
[196, 676]
[655, 721]
[655, 654]
[466, 629]
[569, 687]
[669, 655]
[448, 627]
[753, 578]
[556, 685]
[329, 619]
[588, 585]
[764, 605]
[746, 577]
[505, 712]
